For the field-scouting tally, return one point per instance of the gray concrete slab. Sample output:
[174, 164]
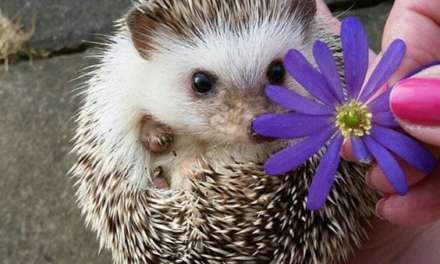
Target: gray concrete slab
[63, 24]
[39, 221]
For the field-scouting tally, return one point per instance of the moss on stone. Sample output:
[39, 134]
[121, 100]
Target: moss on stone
[12, 39]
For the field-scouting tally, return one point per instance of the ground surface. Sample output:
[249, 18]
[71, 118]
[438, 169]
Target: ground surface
[39, 222]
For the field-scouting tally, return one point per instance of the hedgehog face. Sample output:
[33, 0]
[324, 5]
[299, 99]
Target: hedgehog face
[208, 62]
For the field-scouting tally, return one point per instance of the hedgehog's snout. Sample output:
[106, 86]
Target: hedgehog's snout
[234, 118]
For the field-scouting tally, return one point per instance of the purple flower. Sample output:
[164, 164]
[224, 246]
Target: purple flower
[338, 112]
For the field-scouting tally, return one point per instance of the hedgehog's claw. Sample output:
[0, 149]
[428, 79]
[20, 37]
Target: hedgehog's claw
[160, 143]
[156, 136]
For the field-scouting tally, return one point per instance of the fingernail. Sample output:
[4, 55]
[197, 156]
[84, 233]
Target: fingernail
[417, 100]
[380, 208]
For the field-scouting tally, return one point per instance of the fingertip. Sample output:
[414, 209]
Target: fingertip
[380, 213]
[347, 151]
[414, 101]
[376, 179]
[427, 134]
[419, 207]
[400, 210]
[394, 209]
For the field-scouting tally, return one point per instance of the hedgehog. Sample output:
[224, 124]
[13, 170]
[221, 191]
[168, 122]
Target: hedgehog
[168, 169]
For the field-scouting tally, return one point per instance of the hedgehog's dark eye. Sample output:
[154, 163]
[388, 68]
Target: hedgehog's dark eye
[276, 72]
[203, 83]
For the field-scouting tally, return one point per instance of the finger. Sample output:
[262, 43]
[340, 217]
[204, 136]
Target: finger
[376, 179]
[416, 22]
[421, 206]
[428, 134]
[416, 103]
[347, 151]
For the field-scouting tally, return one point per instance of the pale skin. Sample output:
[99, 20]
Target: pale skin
[407, 229]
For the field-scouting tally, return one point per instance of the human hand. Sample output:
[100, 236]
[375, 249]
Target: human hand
[415, 102]
[416, 22]
[409, 229]
[392, 241]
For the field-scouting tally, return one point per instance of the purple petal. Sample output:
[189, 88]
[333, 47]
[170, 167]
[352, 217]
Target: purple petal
[310, 78]
[327, 65]
[289, 125]
[360, 150]
[406, 148]
[297, 154]
[389, 165]
[385, 119]
[355, 47]
[381, 103]
[387, 66]
[325, 176]
[293, 101]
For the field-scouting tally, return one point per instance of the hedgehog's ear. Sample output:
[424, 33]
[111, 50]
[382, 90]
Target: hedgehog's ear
[141, 28]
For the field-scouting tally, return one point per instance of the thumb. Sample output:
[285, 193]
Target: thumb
[416, 103]
[416, 22]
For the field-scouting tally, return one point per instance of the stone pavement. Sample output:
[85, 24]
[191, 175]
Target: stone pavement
[39, 221]
[65, 24]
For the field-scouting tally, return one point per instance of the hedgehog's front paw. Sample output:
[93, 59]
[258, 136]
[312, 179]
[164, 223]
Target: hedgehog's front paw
[159, 179]
[156, 136]
[160, 143]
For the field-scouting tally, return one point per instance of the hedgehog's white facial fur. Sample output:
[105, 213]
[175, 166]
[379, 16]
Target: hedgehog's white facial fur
[240, 64]
[149, 72]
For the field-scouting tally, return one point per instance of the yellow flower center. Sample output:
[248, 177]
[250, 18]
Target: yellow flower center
[353, 118]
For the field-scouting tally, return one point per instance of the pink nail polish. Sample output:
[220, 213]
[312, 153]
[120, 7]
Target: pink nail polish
[417, 100]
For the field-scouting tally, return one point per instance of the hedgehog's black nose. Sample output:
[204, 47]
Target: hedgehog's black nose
[258, 139]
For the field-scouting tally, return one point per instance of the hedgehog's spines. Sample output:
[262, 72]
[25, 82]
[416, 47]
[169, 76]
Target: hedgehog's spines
[146, 226]
[191, 20]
